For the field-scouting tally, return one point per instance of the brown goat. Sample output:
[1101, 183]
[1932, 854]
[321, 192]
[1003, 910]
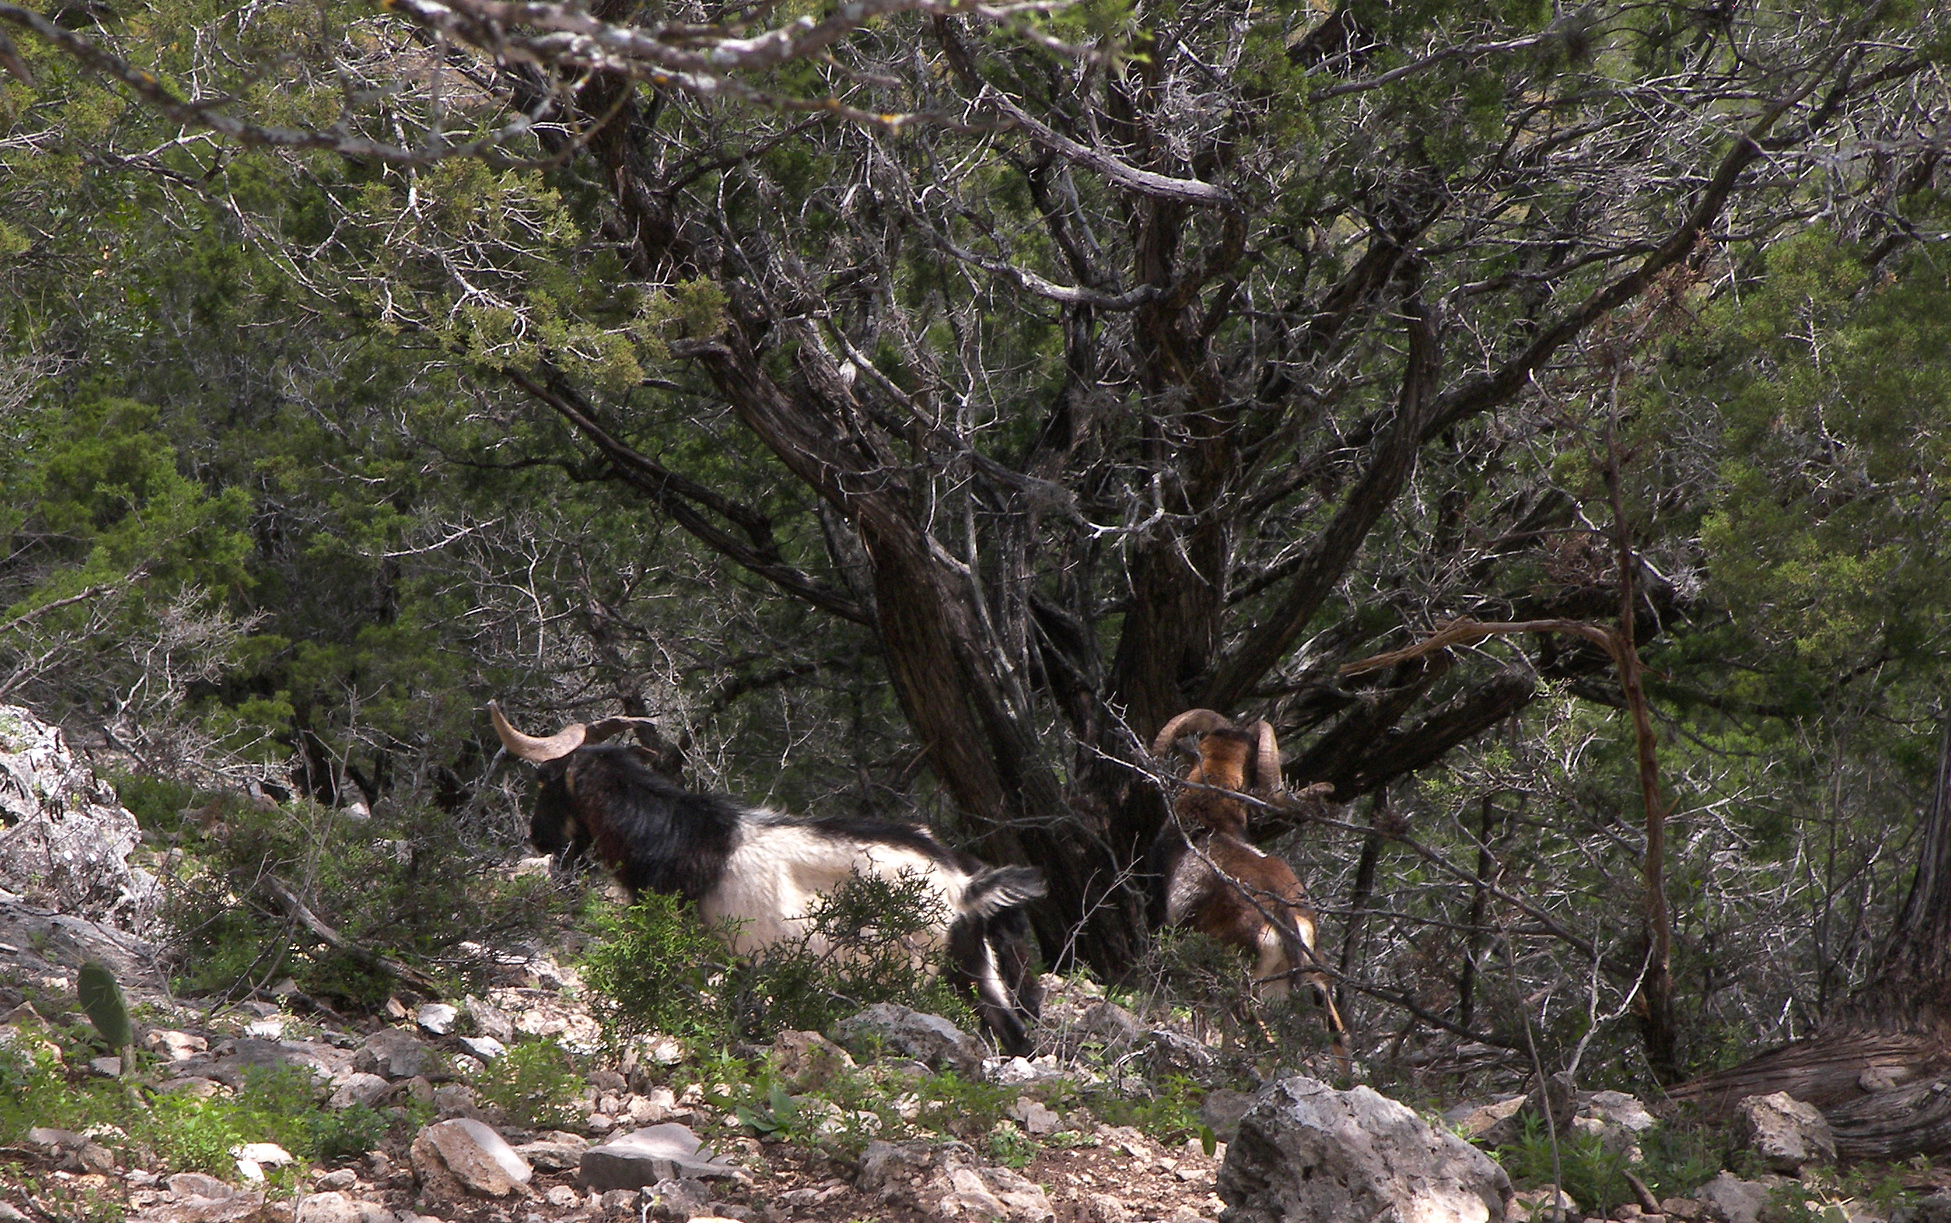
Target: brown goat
[1219, 883]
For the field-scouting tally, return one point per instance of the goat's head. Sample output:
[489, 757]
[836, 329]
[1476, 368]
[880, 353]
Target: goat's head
[556, 827]
[1226, 758]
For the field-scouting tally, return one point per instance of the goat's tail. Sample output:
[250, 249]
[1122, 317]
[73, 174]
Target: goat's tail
[1305, 963]
[1000, 887]
[990, 952]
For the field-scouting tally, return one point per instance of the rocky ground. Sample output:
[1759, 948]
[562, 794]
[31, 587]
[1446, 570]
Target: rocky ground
[469, 1163]
[893, 1115]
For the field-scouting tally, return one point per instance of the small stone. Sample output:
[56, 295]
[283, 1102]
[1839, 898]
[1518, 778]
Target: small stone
[195, 1086]
[454, 1098]
[437, 1017]
[648, 1110]
[807, 1061]
[197, 1185]
[465, 1157]
[54, 1141]
[106, 1067]
[489, 1021]
[677, 1200]
[1037, 1118]
[333, 1207]
[174, 1046]
[1786, 1133]
[393, 1054]
[360, 1088]
[562, 1197]
[620, 1199]
[272, 1027]
[395, 1009]
[487, 1048]
[264, 1154]
[556, 1153]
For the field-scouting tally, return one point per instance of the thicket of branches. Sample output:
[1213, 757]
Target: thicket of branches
[918, 404]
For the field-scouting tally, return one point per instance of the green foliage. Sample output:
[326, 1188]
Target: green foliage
[101, 998]
[347, 1133]
[534, 1085]
[1579, 1162]
[1675, 1161]
[401, 883]
[1170, 1114]
[175, 1132]
[656, 968]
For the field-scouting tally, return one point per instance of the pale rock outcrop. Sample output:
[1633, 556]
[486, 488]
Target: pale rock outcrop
[461, 1158]
[65, 838]
[1786, 1133]
[896, 1029]
[647, 1156]
[947, 1181]
[1305, 1151]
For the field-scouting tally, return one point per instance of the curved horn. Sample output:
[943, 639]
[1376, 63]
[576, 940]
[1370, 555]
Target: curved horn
[531, 749]
[1266, 765]
[1191, 722]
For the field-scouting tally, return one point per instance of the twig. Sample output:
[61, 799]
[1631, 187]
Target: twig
[288, 900]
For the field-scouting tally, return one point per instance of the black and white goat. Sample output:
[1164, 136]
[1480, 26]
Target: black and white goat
[1218, 882]
[758, 873]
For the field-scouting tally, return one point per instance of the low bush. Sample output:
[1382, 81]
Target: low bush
[656, 968]
[534, 1085]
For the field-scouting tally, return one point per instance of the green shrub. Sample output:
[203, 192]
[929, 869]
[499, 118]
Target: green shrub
[1584, 1168]
[656, 968]
[534, 1085]
[345, 1134]
[400, 883]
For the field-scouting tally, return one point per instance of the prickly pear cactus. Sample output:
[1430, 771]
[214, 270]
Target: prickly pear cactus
[101, 998]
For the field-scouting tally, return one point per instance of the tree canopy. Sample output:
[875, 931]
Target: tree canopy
[939, 397]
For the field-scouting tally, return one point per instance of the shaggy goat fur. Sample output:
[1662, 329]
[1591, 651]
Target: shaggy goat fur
[1219, 883]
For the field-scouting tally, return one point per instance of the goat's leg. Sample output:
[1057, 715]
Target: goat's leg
[1296, 958]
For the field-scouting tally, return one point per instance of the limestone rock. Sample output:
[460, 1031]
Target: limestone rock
[807, 1061]
[677, 1200]
[946, 1181]
[554, 1152]
[1933, 1209]
[1222, 1109]
[393, 1054]
[926, 1038]
[1617, 1108]
[1786, 1133]
[197, 1185]
[647, 1156]
[460, 1158]
[334, 1207]
[1307, 1151]
[359, 1087]
[1730, 1199]
[437, 1017]
[65, 838]
[487, 1048]
[174, 1046]
[1037, 1118]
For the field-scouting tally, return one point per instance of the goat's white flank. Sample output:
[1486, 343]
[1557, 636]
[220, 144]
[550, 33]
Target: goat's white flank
[780, 869]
